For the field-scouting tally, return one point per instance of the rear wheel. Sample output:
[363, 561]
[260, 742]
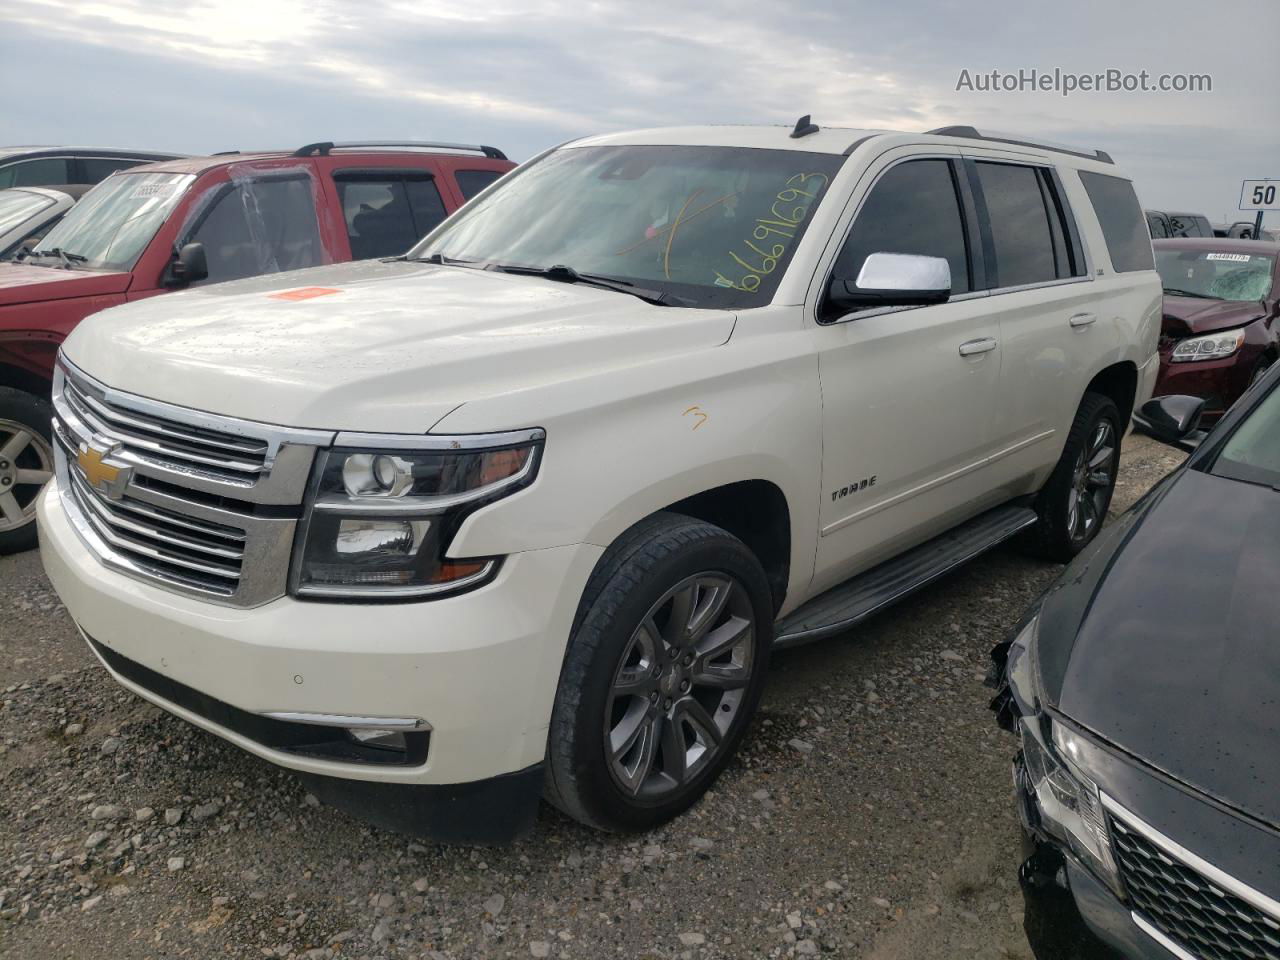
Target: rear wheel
[662, 675]
[1074, 503]
[26, 464]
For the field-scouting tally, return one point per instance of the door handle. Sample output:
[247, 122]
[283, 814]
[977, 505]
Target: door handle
[982, 345]
[1083, 319]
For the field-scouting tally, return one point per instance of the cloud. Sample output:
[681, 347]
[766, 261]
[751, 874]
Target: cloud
[526, 75]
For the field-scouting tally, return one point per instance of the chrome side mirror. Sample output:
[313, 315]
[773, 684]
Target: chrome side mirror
[894, 280]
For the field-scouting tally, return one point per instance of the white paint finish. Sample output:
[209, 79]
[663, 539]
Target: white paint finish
[395, 349]
[826, 140]
[642, 406]
[480, 668]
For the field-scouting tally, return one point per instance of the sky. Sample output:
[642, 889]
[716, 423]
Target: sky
[226, 74]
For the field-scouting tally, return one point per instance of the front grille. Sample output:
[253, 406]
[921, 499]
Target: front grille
[169, 546]
[195, 502]
[1189, 908]
[232, 459]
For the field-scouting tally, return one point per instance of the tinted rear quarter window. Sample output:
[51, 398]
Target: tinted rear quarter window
[471, 182]
[1120, 216]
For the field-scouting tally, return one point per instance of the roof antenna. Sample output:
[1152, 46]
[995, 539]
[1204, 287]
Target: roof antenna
[803, 128]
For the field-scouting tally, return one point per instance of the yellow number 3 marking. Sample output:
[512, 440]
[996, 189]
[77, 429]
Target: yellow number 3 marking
[697, 412]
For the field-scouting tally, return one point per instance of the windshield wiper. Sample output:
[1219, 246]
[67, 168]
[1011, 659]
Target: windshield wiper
[67, 258]
[566, 274]
[438, 259]
[1175, 292]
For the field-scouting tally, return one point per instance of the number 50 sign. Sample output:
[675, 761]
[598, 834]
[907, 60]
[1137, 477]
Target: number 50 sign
[1260, 195]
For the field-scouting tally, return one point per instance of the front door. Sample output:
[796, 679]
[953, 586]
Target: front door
[907, 393]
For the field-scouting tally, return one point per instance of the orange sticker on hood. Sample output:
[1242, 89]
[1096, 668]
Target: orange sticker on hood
[303, 293]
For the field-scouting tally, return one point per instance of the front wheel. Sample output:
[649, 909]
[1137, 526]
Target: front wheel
[26, 464]
[1074, 503]
[662, 675]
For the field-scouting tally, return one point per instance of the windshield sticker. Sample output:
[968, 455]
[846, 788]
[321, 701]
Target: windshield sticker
[790, 207]
[303, 293]
[145, 191]
[1232, 257]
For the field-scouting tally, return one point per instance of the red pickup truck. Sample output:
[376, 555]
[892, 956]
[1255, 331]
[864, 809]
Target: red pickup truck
[170, 225]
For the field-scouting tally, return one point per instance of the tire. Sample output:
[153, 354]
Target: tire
[26, 462]
[1073, 504]
[621, 687]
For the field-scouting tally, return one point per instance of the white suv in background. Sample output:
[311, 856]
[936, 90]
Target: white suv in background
[524, 511]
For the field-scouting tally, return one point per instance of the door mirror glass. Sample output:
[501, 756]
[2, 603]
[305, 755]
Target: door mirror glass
[1173, 420]
[894, 280]
[189, 266]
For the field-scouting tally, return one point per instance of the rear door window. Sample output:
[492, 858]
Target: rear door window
[42, 172]
[471, 182]
[913, 208]
[387, 212]
[1121, 219]
[1027, 232]
[258, 225]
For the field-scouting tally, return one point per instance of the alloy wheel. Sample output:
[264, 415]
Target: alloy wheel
[679, 685]
[26, 464]
[1093, 478]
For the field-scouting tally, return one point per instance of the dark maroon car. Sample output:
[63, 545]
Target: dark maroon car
[1221, 327]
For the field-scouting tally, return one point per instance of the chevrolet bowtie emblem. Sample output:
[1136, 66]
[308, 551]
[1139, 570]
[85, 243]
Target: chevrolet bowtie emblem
[108, 478]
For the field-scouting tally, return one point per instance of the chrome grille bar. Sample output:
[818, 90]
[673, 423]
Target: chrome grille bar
[175, 493]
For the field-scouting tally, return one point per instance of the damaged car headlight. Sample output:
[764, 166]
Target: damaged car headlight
[384, 510]
[1066, 797]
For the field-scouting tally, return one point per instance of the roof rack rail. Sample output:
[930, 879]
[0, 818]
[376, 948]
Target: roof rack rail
[972, 133]
[322, 148]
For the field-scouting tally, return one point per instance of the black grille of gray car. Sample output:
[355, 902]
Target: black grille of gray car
[1188, 907]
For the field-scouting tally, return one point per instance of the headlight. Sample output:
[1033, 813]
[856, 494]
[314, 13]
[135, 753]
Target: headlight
[385, 509]
[1213, 346]
[1067, 798]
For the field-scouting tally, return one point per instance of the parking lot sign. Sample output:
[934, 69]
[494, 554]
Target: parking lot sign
[1260, 195]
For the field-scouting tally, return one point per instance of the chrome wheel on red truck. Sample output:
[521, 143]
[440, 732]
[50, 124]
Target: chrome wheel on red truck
[26, 464]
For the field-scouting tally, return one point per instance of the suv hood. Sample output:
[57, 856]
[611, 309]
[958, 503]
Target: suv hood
[1187, 316]
[22, 283]
[375, 346]
[1163, 640]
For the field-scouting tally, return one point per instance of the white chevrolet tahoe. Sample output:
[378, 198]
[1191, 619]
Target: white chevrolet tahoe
[524, 512]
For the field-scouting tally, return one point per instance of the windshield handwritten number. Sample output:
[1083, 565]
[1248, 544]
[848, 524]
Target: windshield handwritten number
[796, 203]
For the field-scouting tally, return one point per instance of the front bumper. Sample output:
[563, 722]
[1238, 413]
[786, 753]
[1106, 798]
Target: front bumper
[1070, 914]
[480, 669]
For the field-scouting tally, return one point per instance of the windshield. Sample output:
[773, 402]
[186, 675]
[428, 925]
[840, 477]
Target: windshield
[1211, 275]
[1252, 452]
[17, 206]
[709, 226]
[113, 223]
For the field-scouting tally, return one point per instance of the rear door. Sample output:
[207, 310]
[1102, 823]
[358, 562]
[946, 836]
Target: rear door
[1045, 303]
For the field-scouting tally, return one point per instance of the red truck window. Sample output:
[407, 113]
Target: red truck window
[257, 226]
[387, 211]
[471, 182]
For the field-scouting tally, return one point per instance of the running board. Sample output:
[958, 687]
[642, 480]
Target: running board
[854, 600]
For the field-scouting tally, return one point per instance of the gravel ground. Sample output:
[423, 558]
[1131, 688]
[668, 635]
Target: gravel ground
[868, 816]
